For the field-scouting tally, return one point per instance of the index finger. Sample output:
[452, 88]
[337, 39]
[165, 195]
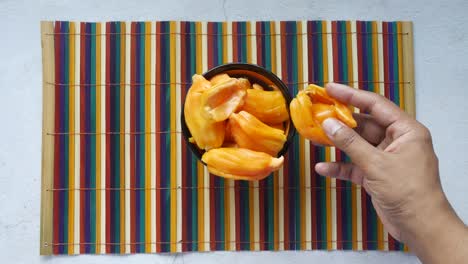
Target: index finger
[383, 110]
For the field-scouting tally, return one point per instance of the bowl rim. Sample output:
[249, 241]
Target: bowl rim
[247, 67]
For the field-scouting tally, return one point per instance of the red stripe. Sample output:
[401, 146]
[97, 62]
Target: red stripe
[359, 50]
[57, 180]
[313, 175]
[210, 45]
[238, 224]
[338, 190]
[262, 183]
[213, 210]
[364, 219]
[391, 240]
[235, 36]
[237, 193]
[108, 152]
[363, 192]
[385, 59]
[158, 139]
[259, 38]
[286, 165]
[132, 138]
[262, 213]
[211, 180]
[313, 194]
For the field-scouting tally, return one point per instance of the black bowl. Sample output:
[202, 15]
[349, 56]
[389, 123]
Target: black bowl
[255, 74]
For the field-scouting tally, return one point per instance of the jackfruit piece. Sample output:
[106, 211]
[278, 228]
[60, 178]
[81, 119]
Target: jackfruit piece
[268, 106]
[249, 132]
[241, 163]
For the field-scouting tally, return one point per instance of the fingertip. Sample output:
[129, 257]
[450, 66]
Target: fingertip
[330, 85]
[338, 91]
[321, 168]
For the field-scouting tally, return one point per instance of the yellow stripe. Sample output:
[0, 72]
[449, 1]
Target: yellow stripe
[375, 56]
[224, 28]
[227, 218]
[201, 207]
[300, 79]
[400, 66]
[71, 145]
[200, 174]
[122, 138]
[275, 212]
[273, 46]
[377, 88]
[98, 139]
[325, 52]
[327, 150]
[248, 46]
[328, 203]
[173, 209]
[198, 28]
[353, 186]
[275, 179]
[252, 216]
[148, 159]
[349, 58]
[249, 40]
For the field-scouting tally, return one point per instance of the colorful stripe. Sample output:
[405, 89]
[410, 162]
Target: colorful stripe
[342, 72]
[125, 181]
[190, 172]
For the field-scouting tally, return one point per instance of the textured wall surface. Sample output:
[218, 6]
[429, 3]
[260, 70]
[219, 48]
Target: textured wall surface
[441, 59]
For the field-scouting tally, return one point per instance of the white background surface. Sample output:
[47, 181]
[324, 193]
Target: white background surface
[441, 59]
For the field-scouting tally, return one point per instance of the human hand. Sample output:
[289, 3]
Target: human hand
[394, 160]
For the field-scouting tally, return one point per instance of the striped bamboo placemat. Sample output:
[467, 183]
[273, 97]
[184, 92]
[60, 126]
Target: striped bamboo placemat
[118, 178]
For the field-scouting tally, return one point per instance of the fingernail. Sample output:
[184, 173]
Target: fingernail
[331, 126]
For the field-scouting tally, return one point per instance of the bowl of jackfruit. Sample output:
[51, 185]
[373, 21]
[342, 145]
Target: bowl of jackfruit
[236, 121]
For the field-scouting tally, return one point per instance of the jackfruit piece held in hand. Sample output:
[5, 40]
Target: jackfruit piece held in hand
[311, 107]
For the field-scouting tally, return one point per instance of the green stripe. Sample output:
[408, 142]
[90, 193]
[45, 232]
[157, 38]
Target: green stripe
[194, 198]
[319, 35]
[93, 139]
[142, 137]
[66, 107]
[167, 210]
[396, 66]
[269, 182]
[222, 182]
[247, 197]
[346, 192]
[295, 160]
[372, 221]
[322, 207]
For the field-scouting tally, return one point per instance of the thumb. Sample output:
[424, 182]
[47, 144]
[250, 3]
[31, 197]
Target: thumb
[346, 139]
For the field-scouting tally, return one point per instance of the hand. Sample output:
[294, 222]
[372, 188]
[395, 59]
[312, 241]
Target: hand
[394, 160]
